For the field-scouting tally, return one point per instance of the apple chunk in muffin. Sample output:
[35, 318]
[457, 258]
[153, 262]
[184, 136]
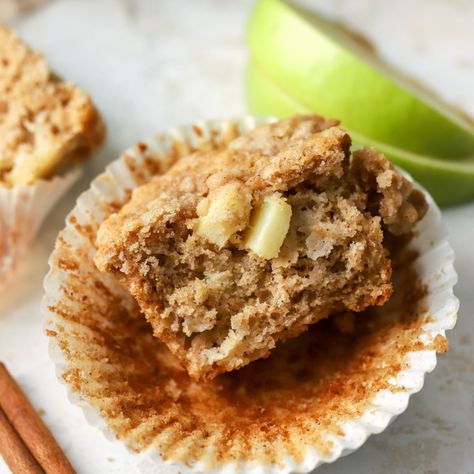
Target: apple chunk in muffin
[237, 248]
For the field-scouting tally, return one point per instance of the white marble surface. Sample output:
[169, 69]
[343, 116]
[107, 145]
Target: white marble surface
[153, 64]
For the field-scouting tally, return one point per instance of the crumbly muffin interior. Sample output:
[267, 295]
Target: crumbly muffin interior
[44, 122]
[220, 306]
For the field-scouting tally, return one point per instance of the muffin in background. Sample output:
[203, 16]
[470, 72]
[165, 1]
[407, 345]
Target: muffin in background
[46, 125]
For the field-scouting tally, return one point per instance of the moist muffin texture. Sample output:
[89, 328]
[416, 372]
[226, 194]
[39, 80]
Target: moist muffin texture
[45, 122]
[220, 306]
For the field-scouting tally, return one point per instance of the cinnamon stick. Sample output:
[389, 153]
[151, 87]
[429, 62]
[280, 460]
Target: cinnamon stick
[14, 452]
[30, 427]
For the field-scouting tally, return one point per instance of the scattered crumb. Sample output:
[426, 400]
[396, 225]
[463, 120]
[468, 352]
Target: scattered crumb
[440, 343]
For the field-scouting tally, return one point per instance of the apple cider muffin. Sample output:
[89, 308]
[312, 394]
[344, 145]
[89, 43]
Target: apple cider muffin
[235, 249]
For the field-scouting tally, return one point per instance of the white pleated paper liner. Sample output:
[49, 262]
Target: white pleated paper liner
[23, 209]
[132, 388]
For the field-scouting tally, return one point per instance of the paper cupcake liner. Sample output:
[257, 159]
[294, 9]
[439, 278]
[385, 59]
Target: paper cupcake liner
[103, 350]
[23, 209]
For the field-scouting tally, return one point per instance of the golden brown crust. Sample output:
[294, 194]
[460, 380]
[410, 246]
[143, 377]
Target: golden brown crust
[218, 309]
[44, 122]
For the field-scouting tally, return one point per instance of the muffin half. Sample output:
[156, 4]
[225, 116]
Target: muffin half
[235, 249]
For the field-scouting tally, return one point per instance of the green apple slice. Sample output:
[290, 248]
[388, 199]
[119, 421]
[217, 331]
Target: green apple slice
[322, 67]
[449, 182]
